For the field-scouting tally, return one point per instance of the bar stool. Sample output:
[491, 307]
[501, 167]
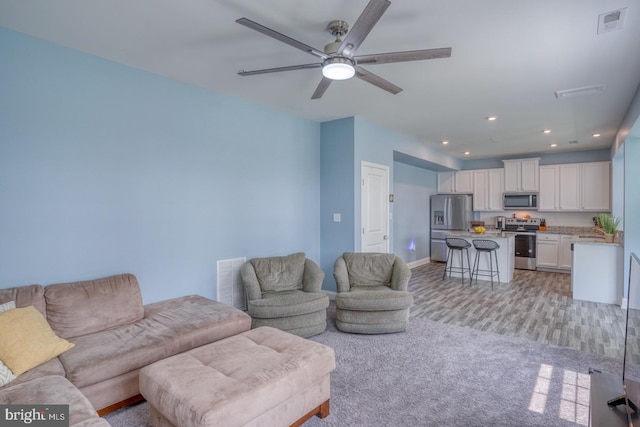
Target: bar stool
[456, 244]
[489, 247]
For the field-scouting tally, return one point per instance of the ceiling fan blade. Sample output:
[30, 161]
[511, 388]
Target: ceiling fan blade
[278, 69]
[410, 55]
[281, 37]
[322, 88]
[376, 80]
[366, 21]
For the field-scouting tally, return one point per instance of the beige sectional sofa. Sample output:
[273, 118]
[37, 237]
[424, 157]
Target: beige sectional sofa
[115, 335]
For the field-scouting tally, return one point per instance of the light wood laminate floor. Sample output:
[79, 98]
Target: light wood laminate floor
[536, 305]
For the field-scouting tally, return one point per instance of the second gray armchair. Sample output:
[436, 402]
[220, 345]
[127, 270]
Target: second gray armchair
[372, 293]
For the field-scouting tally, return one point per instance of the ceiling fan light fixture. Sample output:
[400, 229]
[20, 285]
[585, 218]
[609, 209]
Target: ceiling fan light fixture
[338, 68]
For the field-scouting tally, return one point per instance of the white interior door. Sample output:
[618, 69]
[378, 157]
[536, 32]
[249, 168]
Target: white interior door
[374, 208]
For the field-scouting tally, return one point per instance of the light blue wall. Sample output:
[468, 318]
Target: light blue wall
[631, 199]
[411, 226]
[106, 169]
[372, 144]
[337, 194]
[376, 144]
[617, 185]
[345, 144]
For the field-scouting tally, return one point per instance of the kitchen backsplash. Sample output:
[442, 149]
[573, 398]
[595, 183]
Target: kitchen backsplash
[554, 219]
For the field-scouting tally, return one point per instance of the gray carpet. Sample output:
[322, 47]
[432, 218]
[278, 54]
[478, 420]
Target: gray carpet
[442, 375]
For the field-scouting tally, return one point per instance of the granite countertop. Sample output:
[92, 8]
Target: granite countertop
[568, 230]
[486, 235]
[585, 235]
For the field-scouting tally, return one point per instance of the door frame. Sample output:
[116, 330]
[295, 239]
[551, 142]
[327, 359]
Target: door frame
[363, 165]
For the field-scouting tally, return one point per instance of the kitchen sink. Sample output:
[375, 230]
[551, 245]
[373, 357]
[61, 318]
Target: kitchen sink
[591, 236]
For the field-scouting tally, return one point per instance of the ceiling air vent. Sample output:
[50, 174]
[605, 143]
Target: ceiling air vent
[611, 21]
[579, 91]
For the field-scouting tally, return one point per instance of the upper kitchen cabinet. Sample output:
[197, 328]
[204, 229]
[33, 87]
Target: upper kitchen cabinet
[596, 186]
[488, 186]
[569, 190]
[455, 182]
[521, 175]
[548, 196]
[575, 187]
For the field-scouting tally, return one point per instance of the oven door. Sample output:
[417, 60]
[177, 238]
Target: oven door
[526, 245]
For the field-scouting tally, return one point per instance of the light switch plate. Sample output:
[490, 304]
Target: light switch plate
[337, 217]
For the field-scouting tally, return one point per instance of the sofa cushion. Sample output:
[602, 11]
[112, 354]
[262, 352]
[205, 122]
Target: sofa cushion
[24, 296]
[172, 327]
[26, 340]
[52, 390]
[280, 273]
[52, 367]
[80, 308]
[369, 269]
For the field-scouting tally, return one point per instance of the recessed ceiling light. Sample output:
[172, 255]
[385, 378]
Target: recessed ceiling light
[466, 153]
[595, 135]
[546, 131]
[553, 145]
[492, 118]
[445, 142]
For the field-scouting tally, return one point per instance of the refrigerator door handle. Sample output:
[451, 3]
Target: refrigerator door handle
[447, 212]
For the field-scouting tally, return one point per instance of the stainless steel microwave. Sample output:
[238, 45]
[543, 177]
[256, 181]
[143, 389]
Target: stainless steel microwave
[526, 201]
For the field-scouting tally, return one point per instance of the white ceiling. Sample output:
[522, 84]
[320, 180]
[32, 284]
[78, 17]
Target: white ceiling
[508, 58]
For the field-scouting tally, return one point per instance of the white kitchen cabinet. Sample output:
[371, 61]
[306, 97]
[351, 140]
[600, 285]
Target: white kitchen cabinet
[553, 251]
[548, 247]
[596, 186]
[464, 182]
[570, 185]
[488, 186]
[521, 175]
[576, 187]
[446, 182]
[480, 190]
[496, 188]
[455, 182]
[565, 253]
[549, 186]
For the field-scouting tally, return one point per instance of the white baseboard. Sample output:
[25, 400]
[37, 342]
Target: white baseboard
[419, 262]
[623, 305]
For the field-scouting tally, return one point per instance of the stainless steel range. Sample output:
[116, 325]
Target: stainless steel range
[525, 252]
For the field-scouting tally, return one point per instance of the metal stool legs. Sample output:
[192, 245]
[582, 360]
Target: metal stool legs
[489, 247]
[449, 264]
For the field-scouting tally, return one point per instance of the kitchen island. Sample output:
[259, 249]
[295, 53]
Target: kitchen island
[505, 253]
[597, 272]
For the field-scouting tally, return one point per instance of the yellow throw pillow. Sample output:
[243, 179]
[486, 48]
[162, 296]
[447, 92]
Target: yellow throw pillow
[26, 340]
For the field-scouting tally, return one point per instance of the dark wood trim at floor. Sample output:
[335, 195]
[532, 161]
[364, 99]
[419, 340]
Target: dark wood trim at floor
[536, 305]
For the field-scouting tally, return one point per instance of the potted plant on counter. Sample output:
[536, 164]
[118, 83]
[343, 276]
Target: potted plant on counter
[608, 224]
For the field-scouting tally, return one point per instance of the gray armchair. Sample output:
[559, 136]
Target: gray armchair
[372, 293]
[285, 293]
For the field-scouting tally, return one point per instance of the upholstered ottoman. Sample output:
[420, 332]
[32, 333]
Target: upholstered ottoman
[262, 377]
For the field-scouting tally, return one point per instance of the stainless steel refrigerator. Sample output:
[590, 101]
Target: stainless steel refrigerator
[448, 212]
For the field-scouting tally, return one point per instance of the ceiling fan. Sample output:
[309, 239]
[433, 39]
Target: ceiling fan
[339, 60]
